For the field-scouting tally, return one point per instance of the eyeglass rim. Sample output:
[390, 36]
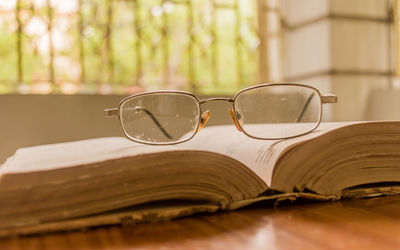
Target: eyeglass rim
[152, 93]
[273, 85]
[231, 100]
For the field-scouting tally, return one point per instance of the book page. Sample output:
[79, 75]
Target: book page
[69, 154]
[227, 140]
[259, 155]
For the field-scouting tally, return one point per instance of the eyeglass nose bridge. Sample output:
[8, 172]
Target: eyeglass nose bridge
[231, 110]
[226, 99]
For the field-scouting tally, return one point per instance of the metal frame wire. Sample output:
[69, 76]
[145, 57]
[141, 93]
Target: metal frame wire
[323, 97]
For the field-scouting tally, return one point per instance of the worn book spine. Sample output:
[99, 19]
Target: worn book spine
[162, 213]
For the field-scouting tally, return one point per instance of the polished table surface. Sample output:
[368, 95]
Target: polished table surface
[357, 224]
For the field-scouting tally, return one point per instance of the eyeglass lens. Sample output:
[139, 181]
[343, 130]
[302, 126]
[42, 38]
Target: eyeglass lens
[160, 117]
[297, 110]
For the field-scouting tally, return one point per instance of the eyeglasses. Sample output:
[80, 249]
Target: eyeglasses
[265, 111]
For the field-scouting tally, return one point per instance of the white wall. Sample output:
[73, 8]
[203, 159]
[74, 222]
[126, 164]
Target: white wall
[339, 46]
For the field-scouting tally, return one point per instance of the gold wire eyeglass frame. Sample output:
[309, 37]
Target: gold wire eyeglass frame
[203, 118]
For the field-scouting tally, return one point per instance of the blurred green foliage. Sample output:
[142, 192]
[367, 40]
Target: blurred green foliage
[193, 45]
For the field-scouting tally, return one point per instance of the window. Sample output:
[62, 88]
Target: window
[126, 46]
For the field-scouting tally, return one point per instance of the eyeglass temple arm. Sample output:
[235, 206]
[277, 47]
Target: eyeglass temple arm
[325, 98]
[115, 112]
[111, 112]
[305, 107]
[328, 98]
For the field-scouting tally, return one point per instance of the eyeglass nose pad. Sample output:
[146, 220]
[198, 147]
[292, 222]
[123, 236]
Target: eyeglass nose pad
[234, 120]
[204, 118]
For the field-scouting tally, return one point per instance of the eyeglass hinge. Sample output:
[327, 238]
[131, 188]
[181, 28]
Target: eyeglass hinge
[111, 112]
[328, 98]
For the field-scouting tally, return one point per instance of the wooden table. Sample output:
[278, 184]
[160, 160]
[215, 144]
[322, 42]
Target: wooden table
[359, 224]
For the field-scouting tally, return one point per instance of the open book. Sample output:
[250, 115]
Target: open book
[112, 180]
